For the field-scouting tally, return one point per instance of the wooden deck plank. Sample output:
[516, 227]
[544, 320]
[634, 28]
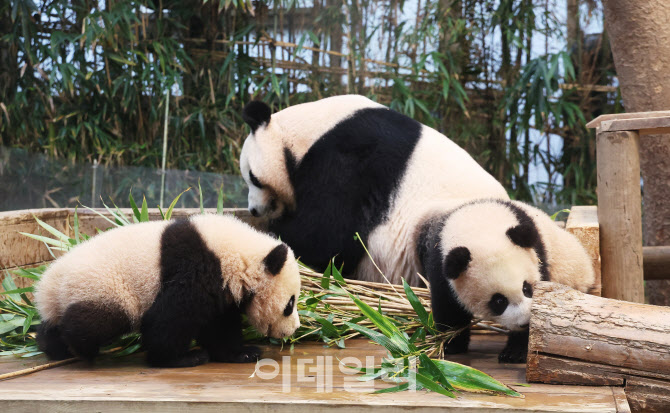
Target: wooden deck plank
[127, 384]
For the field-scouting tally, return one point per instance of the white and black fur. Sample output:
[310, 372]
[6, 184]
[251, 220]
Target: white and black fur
[175, 281]
[483, 257]
[325, 170]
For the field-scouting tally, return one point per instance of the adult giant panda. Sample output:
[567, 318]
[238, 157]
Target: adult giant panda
[483, 257]
[175, 281]
[325, 170]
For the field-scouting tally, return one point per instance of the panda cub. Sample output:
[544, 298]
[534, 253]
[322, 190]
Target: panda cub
[175, 281]
[482, 259]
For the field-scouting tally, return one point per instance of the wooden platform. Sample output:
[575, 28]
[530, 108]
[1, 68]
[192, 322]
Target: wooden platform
[126, 384]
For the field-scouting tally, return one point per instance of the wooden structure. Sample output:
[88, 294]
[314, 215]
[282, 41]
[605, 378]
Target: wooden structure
[128, 384]
[577, 338]
[620, 201]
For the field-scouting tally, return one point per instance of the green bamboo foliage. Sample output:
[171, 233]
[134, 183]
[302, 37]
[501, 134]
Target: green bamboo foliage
[86, 80]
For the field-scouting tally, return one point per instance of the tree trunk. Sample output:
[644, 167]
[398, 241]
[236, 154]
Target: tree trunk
[640, 38]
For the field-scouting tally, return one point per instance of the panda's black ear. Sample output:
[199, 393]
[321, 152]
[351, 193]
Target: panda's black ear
[256, 114]
[275, 260]
[524, 235]
[456, 262]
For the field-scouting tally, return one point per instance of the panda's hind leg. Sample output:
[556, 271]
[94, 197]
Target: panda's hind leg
[49, 341]
[87, 326]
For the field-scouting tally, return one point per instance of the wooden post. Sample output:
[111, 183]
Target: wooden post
[619, 215]
[583, 224]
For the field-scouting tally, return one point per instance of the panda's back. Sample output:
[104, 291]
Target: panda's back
[120, 267]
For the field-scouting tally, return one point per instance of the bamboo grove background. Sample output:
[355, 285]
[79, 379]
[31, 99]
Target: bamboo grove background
[87, 80]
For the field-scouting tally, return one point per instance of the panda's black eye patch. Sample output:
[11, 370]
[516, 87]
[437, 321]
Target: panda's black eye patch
[527, 289]
[254, 181]
[288, 310]
[498, 303]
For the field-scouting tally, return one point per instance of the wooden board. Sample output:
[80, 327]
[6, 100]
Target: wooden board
[583, 224]
[596, 123]
[128, 385]
[644, 126]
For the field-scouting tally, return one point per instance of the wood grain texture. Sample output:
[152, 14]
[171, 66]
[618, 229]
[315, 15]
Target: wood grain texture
[656, 263]
[583, 224]
[577, 338]
[595, 123]
[621, 400]
[620, 216]
[127, 384]
[644, 125]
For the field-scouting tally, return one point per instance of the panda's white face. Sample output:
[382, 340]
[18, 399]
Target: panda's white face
[273, 310]
[499, 286]
[279, 141]
[491, 264]
[264, 200]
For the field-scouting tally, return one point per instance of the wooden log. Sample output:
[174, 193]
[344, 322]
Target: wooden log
[656, 263]
[577, 338]
[619, 215]
[583, 224]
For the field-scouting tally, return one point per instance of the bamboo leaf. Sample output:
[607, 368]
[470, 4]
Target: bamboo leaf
[133, 206]
[472, 380]
[144, 213]
[168, 214]
[416, 304]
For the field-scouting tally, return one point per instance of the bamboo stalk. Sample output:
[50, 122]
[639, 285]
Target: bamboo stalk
[30, 370]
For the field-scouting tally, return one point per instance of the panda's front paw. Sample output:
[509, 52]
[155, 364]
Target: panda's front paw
[512, 355]
[516, 350]
[246, 354]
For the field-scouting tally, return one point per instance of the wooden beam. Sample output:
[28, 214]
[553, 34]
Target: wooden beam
[595, 123]
[656, 263]
[576, 338]
[645, 126]
[619, 215]
[583, 224]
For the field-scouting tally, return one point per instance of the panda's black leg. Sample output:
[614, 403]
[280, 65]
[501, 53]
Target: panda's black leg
[516, 349]
[449, 315]
[86, 326]
[49, 340]
[167, 332]
[222, 338]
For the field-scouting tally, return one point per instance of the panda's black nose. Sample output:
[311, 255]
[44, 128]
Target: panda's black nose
[254, 212]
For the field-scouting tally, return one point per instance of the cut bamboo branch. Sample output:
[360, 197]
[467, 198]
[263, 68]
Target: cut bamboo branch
[35, 369]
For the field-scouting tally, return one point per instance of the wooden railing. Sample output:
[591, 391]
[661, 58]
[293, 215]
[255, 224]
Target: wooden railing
[620, 202]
